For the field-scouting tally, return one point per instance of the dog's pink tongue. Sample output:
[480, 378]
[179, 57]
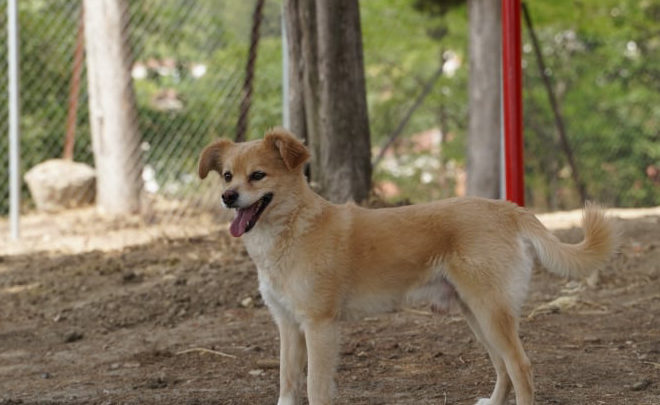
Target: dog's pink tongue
[240, 223]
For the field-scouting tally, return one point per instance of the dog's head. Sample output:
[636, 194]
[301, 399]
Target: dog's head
[256, 176]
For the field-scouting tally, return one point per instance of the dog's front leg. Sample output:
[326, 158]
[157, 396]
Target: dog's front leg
[292, 361]
[322, 339]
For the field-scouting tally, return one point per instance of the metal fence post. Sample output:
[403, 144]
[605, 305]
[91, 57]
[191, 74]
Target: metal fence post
[286, 119]
[14, 115]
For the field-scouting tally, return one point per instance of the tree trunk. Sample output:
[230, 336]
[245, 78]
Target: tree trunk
[484, 128]
[112, 107]
[334, 95]
[296, 101]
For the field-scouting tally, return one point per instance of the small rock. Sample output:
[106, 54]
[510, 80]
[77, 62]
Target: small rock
[156, 383]
[46, 376]
[73, 336]
[114, 366]
[256, 372]
[247, 302]
[129, 276]
[641, 385]
[591, 339]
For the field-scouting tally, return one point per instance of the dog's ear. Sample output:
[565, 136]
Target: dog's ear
[211, 157]
[292, 151]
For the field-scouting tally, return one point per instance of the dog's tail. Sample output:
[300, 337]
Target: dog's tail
[573, 260]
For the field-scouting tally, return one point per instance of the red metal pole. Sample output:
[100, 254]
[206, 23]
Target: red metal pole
[512, 101]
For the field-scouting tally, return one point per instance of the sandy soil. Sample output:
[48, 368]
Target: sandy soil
[178, 320]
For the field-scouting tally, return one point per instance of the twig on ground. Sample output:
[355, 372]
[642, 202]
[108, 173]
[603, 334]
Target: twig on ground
[418, 312]
[204, 350]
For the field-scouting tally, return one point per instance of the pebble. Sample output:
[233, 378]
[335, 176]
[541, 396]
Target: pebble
[256, 372]
[73, 336]
[641, 385]
[129, 276]
[156, 383]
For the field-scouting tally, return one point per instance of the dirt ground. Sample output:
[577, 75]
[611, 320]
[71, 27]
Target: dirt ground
[180, 321]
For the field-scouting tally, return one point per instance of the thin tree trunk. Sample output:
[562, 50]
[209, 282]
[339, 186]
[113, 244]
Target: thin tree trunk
[246, 101]
[112, 107]
[296, 101]
[484, 128]
[310, 85]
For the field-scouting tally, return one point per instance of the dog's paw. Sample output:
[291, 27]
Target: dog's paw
[286, 400]
[484, 401]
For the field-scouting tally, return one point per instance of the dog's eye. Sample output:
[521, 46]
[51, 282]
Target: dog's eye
[228, 176]
[258, 175]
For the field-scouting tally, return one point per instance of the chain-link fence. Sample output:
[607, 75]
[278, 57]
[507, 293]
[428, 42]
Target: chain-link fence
[186, 63]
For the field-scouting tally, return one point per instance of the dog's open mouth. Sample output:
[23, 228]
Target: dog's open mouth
[247, 217]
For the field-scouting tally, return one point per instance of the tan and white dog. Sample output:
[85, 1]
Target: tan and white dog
[319, 263]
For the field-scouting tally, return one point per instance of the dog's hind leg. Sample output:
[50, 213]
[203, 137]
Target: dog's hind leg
[500, 331]
[503, 383]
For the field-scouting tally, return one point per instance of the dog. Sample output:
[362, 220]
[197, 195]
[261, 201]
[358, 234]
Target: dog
[319, 263]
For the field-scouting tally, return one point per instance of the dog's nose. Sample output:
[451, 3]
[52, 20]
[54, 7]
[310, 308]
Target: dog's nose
[229, 197]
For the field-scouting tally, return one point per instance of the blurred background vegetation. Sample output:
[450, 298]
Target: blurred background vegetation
[603, 58]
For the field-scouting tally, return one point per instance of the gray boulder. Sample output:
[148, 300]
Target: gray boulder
[60, 184]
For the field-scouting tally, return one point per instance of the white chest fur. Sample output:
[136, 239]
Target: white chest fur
[275, 287]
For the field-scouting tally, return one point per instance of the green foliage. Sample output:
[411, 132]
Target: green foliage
[604, 62]
[403, 48]
[400, 57]
[216, 34]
